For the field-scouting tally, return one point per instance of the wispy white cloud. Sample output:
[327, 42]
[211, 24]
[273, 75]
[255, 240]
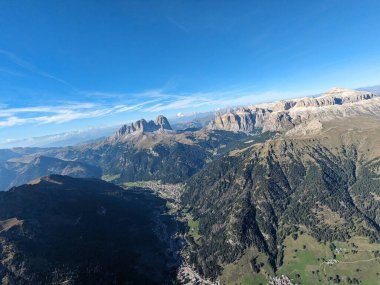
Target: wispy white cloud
[31, 68]
[16, 60]
[102, 95]
[177, 24]
[11, 72]
[153, 102]
[62, 114]
[109, 103]
[60, 139]
[180, 103]
[48, 109]
[12, 121]
[105, 104]
[215, 100]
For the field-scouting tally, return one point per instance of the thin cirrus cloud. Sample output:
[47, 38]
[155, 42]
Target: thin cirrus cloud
[216, 100]
[12, 121]
[154, 103]
[31, 68]
[107, 104]
[58, 115]
[181, 103]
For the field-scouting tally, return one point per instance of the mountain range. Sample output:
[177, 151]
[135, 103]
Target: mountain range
[286, 188]
[154, 151]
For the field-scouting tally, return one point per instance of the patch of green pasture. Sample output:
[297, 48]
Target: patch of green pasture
[308, 265]
[110, 178]
[193, 227]
[241, 271]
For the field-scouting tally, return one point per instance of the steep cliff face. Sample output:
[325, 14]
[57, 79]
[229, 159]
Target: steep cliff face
[161, 124]
[286, 114]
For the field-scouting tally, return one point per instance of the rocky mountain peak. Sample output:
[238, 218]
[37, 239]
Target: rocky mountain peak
[142, 126]
[163, 122]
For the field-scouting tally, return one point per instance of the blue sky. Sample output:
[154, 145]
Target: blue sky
[73, 64]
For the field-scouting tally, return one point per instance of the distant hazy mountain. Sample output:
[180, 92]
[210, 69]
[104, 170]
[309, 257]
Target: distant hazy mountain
[192, 121]
[61, 230]
[94, 134]
[373, 89]
[17, 171]
[62, 139]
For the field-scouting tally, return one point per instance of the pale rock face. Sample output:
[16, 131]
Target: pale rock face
[286, 114]
[277, 122]
[307, 128]
[283, 105]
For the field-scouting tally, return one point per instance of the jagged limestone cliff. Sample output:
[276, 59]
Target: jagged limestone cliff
[286, 114]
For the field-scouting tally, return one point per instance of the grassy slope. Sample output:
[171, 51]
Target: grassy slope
[304, 261]
[241, 272]
[110, 178]
[300, 262]
[193, 228]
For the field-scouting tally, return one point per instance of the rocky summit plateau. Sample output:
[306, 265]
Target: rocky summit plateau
[286, 114]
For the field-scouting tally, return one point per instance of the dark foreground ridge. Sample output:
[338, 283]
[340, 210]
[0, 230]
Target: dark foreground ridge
[63, 230]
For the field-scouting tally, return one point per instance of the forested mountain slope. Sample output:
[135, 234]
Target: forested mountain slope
[327, 184]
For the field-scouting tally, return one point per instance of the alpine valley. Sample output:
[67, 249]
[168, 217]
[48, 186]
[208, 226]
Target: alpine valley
[278, 193]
